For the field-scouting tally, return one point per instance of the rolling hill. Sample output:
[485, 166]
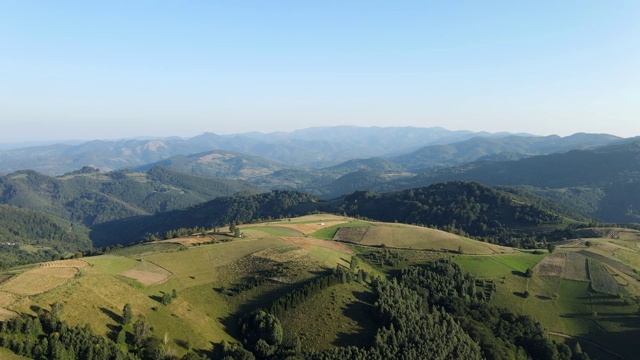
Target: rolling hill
[90, 197]
[339, 296]
[601, 182]
[218, 163]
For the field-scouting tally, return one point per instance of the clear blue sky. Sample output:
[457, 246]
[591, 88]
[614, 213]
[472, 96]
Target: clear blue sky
[111, 69]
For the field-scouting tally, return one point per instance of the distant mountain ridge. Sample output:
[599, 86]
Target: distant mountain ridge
[491, 148]
[309, 148]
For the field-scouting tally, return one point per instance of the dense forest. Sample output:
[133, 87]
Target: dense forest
[90, 197]
[435, 311]
[463, 207]
[220, 212]
[27, 237]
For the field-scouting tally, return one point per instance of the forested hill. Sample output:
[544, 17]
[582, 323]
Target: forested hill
[90, 197]
[600, 167]
[462, 207]
[465, 207]
[603, 182]
[219, 212]
[27, 236]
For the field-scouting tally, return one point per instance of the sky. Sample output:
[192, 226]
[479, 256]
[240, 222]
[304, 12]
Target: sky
[116, 69]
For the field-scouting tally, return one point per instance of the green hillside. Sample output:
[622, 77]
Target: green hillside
[277, 294]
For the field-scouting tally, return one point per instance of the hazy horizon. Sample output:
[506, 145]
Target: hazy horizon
[85, 70]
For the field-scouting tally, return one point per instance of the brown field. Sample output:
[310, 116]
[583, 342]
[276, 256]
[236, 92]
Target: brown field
[552, 265]
[6, 314]
[6, 299]
[306, 243]
[39, 280]
[353, 234]
[148, 273]
[310, 223]
[75, 263]
[575, 267]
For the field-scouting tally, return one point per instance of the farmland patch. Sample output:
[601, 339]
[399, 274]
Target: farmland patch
[148, 273]
[552, 265]
[39, 280]
[65, 263]
[575, 267]
[601, 280]
[353, 234]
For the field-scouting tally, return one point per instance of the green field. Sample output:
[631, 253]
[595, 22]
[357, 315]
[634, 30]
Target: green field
[275, 230]
[563, 306]
[498, 265]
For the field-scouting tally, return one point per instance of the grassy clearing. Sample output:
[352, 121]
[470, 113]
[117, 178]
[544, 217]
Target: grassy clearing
[147, 248]
[329, 258]
[338, 315]
[498, 265]
[6, 354]
[627, 257]
[196, 266]
[112, 264]
[329, 232]
[286, 249]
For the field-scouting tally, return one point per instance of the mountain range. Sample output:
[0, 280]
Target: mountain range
[411, 148]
